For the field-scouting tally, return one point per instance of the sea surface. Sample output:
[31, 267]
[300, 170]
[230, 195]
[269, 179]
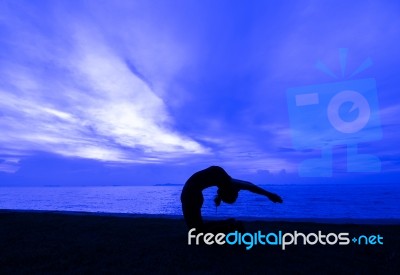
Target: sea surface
[303, 202]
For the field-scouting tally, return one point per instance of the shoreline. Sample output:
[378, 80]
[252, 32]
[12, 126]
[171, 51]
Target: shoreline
[242, 218]
[37, 242]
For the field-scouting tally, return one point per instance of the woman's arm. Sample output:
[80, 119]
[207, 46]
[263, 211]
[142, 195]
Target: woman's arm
[245, 185]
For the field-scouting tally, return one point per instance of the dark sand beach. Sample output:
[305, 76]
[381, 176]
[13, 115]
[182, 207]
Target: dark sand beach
[48, 242]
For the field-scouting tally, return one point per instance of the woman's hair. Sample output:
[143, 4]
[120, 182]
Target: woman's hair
[226, 194]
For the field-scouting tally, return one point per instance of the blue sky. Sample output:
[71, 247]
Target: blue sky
[147, 92]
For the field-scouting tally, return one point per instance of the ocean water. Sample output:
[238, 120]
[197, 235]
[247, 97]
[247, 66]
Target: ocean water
[359, 202]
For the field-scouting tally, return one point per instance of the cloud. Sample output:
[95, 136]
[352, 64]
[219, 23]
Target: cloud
[76, 96]
[197, 84]
[9, 165]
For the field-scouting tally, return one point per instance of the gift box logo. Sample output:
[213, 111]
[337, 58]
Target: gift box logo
[339, 113]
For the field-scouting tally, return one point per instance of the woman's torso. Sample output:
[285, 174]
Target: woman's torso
[211, 176]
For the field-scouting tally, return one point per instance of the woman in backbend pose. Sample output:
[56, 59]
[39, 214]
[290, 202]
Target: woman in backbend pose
[228, 190]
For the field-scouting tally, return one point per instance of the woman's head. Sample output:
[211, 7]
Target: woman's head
[227, 195]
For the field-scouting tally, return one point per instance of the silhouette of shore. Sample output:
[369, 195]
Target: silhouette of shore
[59, 242]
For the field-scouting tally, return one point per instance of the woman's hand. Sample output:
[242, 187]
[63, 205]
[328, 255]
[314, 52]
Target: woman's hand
[274, 198]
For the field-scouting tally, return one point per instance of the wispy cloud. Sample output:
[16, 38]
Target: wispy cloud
[80, 98]
[194, 84]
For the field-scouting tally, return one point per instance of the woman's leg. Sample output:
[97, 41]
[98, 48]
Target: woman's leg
[192, 216]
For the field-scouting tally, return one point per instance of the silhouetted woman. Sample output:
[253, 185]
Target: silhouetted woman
[228, 190]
